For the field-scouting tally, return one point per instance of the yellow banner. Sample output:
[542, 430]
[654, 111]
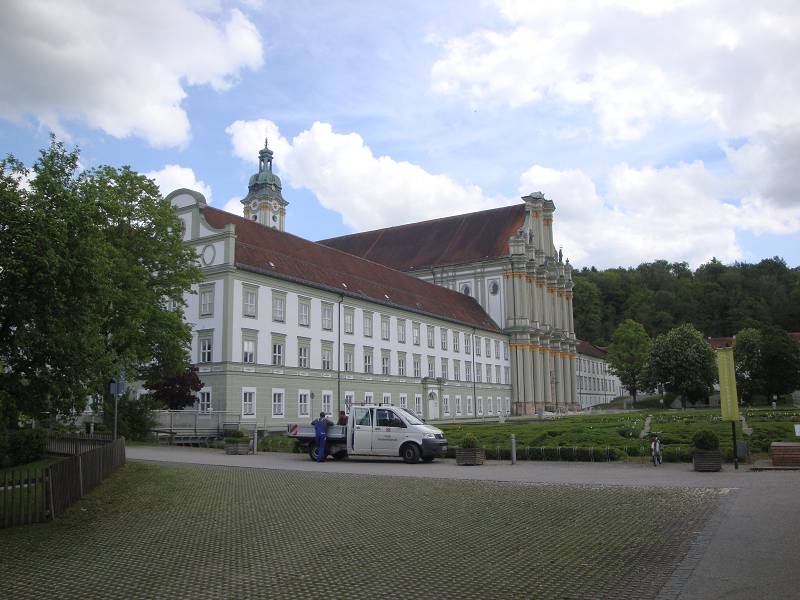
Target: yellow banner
[728, 400]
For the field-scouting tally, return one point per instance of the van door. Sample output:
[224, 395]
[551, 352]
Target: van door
[362, 429]
[389, 432]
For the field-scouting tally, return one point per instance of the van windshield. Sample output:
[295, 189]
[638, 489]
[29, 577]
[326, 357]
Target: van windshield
[411, 417]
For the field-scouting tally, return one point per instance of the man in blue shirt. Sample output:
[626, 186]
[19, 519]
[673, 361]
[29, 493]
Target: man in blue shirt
[321, 433]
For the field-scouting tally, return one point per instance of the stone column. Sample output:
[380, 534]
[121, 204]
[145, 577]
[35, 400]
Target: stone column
[549, 401]
[518, 382]
[538, 374]
[566, 375]
[558, 368]
[528, 378]
[573, 375]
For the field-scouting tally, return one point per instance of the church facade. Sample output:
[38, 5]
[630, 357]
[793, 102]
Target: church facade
[284, 328]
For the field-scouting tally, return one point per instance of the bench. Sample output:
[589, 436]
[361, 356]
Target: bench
[785, 454]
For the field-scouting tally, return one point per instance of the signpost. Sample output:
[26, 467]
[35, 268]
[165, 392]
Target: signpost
[117, 388]
[728, 400]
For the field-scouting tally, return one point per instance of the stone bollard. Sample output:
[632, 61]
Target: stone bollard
[513, 449]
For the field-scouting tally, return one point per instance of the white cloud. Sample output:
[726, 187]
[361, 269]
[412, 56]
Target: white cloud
[368, 191]
[235, 206]
[122, 67]
[728, 63]
[173, 177]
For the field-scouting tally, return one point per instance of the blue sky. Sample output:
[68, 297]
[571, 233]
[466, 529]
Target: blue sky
[660, 130]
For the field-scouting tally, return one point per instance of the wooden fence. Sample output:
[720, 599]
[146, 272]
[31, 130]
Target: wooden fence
[37, 495]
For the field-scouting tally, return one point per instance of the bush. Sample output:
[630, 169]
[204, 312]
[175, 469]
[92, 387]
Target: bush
[26, 445]
[135, 420]
[704, 439]
[470, 441]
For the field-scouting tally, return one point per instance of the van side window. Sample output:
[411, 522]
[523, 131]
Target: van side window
[387, 418]
[362, 416]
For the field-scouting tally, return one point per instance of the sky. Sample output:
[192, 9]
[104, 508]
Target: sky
[661, 130]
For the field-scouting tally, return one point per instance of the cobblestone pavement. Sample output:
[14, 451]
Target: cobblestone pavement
[196, 531]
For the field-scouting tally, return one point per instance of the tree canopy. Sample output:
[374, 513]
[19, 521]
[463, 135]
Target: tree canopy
[683, 363]
[717, 299]
[92, 276]
[628, 355]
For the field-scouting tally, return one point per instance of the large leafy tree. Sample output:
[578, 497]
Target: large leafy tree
[747, 359]
[173, 390]
[92, 276]
[628, 354]
[780, 362]
[683, 363]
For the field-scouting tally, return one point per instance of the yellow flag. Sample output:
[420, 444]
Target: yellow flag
[728, 400]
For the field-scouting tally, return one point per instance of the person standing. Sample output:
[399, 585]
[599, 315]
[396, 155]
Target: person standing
[321, 434]
[342, 419]
[655, 450]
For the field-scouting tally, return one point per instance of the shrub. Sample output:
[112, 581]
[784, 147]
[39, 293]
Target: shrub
[234, 436]
[3, 447]
[135, 420]
[470, 441]
[26, 445]
[704, 439]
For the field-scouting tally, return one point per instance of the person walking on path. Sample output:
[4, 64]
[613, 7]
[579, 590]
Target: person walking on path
[655, 450]
[321, 434]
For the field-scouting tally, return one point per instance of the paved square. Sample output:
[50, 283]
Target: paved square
[206, 531]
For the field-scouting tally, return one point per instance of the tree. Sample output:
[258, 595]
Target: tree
[92, 275]
[747, 360]
[780, 362]
[683, 363]
[628, 354]
[173, 390]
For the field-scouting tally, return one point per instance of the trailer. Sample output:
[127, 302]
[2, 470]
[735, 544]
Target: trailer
[376, 430]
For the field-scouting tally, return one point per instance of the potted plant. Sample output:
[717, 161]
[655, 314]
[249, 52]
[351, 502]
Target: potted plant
[707, 456]
[469, 453]
[237, 442]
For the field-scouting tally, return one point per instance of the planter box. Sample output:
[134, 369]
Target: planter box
[470, 456]
[707, 460]
[785, 454]
[238, 447]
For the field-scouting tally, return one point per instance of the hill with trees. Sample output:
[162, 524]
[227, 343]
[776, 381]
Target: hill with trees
[719, 300]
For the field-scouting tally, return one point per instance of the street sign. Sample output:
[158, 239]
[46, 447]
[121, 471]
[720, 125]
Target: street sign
[728, 399]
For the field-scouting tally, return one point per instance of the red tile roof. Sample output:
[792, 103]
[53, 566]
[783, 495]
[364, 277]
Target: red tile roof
[451, 240]
[278, 254]
[589, 349]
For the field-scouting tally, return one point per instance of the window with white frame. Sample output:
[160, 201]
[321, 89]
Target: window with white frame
[431, 367]
[446, 405]
[469, 405]
[477, 346]
[303, 352]
[386, 363]
[303, 408]
[505, 351]
[403, 401]
[401, 331]
[507, 374]
[326, 355]
[488, 348]
[206, 347]
[458, 406]
[278, 345]
[204, 400]
[277, 402]
[467, 343]
[479, 406]
[347, 355]
[367, 360]
[490, 405]
[468, 371]
[278, 306]
[488, 373]
[304, 312]
[250, 301]
[368, 398]
[429, 329]
[327, 402]
[249, 350]
[444, 362]
[327, 316]
[385, 327]
[508, 406]
[418, 403]
[457, 370]
[497, 373]
[348, 319]
[478, 372]
[417, 366]
[207, 300]
[497, 348]
[401, 364]
[349, 399]
[248, 402]
[415, 333]
[443, 332]
[387, 398]
[456, 340]
[367, 324]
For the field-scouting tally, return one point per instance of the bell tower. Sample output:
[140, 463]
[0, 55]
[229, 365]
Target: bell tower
[264, 202]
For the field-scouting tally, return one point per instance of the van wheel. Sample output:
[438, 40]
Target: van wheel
[410, 453]
[313, 451]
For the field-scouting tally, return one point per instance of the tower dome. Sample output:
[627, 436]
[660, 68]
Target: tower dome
[264, 202]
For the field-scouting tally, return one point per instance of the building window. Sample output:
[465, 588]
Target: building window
[387, 398]
[488, 373]
[446, 405]
[403, 401]
[507, 373]
[207, 301]
[505, 351]
[401, 364]
[327, 316]
[469, 405]
[477, 346]
[465, 289]
[367, 360]
[278, 306]
[415, 333]
[304, 312]
[457, 370]
[497, 373]
[327, 358]
[348, 320]
[277, 352]
[418, 403]
[206, 349]
[249, 301]
[327, 402]
[205, 401]
[386, 364]
[302, 403]
[277, 403]
[490, 405]
[479, 406]
[368, 398]
[249, 350]
[488, 348]
[456, 340]
[384, 327]
[497, 348]
[248, 402]
[444, 368]
[478, 372]
[348, 358]
[417, 366]
[444, 338]
[401, 331]
[349, 399]
[468, 371]
[431, 367]
[467, 343]
[430, 333]
[303, 350]
[367, 324]
[494, 287]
